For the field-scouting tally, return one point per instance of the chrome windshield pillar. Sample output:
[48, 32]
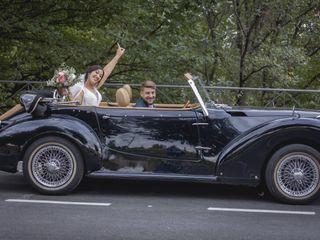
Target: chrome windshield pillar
[196, 92]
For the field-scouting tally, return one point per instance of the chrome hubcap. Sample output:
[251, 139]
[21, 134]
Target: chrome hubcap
[298, 175]
[52, 165]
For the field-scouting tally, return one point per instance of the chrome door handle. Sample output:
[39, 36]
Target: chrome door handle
[106, 117]
[200, 124]
[202, 148]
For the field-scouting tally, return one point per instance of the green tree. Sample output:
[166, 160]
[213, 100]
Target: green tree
[241, 43]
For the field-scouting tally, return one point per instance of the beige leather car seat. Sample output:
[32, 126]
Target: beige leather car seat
[129, 90]
[122, 97]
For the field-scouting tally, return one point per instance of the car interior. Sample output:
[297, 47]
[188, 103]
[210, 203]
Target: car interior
[123, 100]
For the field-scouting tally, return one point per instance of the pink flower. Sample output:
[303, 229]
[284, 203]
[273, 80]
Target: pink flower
[61, 78]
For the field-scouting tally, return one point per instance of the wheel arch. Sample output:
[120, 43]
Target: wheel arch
[248, 157]
[61, 135]
[308, 141]
[73, 130]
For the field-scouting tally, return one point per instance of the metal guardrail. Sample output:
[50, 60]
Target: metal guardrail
[275, 96]
[184, 86]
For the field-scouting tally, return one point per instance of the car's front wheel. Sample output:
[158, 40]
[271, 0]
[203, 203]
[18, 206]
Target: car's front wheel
[293, 174]
[53, 165]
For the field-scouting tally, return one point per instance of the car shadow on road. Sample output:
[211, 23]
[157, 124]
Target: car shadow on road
[13, 183]
[16, 184]
[170, 189]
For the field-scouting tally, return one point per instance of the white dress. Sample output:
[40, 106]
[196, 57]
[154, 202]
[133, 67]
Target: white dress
[89, 98]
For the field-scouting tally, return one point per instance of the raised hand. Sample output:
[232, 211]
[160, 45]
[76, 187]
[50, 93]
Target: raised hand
[120, 50]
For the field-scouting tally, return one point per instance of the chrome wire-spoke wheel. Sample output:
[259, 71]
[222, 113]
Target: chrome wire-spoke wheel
[297, 175]
[293, 174]
[52, 165]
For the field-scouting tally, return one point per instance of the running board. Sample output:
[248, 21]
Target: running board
[155, 176]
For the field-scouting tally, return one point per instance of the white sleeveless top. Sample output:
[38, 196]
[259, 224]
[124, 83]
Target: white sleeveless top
[89, 98]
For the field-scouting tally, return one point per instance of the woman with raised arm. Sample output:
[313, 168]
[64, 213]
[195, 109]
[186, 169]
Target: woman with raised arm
[95, 77]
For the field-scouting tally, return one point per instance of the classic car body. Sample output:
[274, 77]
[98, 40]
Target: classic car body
[202, 143]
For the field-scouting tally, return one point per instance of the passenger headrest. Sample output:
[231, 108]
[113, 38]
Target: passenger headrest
[128, 89]
[122, 97]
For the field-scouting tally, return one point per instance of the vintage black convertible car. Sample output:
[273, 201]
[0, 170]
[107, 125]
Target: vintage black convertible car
[59, 143]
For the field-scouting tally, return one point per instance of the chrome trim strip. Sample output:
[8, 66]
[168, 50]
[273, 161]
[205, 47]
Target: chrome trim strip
[200, 124]
[202, 148]
[154, 176]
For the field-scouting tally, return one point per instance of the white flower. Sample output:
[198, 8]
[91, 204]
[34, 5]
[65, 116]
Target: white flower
[72, 76]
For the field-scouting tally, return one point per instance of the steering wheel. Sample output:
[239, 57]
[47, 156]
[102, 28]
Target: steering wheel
[186, 105]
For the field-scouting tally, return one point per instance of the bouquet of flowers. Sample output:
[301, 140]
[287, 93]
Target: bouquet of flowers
[63, 77]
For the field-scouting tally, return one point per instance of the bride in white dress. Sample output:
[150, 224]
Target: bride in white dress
[87, 93]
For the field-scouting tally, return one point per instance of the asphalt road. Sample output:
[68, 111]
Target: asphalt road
[114, 209]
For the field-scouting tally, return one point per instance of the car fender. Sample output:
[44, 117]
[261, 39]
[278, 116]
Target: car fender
[16, 138]
[246, 156]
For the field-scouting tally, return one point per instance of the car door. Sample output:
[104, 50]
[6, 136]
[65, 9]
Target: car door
[155, 136]
[215, 132]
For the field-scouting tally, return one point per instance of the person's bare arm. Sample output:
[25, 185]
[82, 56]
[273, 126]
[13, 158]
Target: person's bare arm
[110, 66]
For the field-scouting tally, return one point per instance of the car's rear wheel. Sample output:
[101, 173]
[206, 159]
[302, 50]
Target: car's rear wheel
[53, 165]
[293, 174]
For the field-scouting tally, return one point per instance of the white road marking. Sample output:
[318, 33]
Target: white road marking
[260, 211]
[209, 208]
[59, 202]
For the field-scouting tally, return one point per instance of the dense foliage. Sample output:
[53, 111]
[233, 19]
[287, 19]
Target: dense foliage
[239, 43]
